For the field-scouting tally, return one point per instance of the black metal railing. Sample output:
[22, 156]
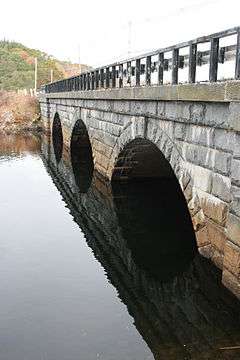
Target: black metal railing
[140, 70]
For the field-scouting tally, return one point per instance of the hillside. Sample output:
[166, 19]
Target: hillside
[17, 67]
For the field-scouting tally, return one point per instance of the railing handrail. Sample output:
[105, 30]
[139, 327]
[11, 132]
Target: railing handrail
[192, 44]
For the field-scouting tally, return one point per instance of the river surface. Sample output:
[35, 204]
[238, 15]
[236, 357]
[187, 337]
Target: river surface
[93, 271]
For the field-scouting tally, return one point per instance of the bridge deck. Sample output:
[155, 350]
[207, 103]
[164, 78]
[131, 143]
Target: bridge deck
[224, 91]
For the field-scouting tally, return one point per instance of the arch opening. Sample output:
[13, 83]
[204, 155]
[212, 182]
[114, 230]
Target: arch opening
[141, 159]
[152, 211]
[81, 156]
[57, 138]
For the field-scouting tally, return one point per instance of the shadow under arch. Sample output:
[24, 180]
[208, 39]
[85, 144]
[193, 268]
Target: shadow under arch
[152, 211]
[81, 156]
[57, 138]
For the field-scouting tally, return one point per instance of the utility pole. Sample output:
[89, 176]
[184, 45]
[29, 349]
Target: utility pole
[35, 82]
[51, 75]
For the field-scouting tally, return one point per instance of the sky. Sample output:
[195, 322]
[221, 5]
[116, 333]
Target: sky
[100, 32]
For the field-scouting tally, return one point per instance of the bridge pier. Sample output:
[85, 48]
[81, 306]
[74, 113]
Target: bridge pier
[196, 130]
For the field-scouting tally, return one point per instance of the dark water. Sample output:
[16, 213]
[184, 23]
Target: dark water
[94, 271]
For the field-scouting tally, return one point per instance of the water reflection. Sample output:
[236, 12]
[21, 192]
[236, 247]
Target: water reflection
[17, 145]
[142, 236]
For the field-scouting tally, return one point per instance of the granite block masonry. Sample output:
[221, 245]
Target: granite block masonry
[196, 127]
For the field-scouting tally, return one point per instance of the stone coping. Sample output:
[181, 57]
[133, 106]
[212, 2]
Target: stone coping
[212, 92]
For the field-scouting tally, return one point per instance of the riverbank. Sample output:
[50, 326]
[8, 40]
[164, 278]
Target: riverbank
[19, 113]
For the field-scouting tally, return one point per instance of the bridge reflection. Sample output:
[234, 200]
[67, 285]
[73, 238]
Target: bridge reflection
[147, 248]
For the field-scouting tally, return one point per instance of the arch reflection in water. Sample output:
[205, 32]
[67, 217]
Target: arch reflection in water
[156, 225]
[81, 156]
[57, 138]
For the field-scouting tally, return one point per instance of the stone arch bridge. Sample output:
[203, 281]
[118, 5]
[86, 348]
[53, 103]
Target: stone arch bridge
[189, 131]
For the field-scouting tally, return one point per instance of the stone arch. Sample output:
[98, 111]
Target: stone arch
[147, 134]
[57, 137]
[152, 133]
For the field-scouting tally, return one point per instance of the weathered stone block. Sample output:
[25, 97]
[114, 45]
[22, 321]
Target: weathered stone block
[179, 131]
[202, 237]
[217, 258]
[206, 251]
[217, 236]
[231, 260]
[201, 135]
[138, 126]
[99, 146]
[197, 112]
[236, 149]
[152, 129]
[177, 111]
[232, 90]
[167, 127]
[121, 106]
[222, 163]
[202, 178]
[199, 220]
[214, 209]
[188, 192]
[160, 108]
[201, 92]
[235, 205]
[235, 171]
[217, 115]
[194, 204]
[221, 187]
[199, 155]
[233, 229]
[224, 140]
[234, 116]
[147, 108]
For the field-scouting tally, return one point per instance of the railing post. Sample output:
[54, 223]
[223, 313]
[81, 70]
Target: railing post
[148, 70]
[192, 63]
[175, 57]
[84, 81]
[88, 81]
[92, 80]
[96, 79]
[107, 77]
[160, 68]
[138, 71]
[213, 67]
[129, 69]
[237, 68]
[121, 75]
[77, 83]
[80, 82]
[113, 76]
[102, 78]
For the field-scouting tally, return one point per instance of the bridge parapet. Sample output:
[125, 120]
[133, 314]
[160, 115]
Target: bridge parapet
[198, 60]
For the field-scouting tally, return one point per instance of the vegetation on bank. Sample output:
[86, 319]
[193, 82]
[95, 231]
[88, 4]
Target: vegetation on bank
[18, 112]
[17, 67]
